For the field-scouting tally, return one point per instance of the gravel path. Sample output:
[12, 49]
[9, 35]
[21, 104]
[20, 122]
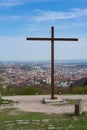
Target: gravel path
[34, 103]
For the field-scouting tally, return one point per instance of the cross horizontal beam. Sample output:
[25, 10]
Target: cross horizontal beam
[55, 39]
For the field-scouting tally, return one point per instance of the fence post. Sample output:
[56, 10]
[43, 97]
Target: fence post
[78, 107]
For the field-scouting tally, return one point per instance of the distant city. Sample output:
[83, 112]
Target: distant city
[19, 73]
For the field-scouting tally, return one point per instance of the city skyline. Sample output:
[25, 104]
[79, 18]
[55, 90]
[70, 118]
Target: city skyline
[33, 18]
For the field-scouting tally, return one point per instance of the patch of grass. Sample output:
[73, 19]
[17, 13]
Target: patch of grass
[5, 101]
[40, 121]
[71, 101]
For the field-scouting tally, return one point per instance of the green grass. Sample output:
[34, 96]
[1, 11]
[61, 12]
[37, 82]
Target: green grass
[71, 101]
[5, 101]
[12, 119]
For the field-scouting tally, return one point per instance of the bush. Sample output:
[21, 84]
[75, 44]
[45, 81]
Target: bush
[26, 90]
[45, 89]
[79, 90]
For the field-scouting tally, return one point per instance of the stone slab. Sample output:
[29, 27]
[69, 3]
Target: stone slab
[54, 101]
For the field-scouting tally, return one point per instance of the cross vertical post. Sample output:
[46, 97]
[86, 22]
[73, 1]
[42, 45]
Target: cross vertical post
[52, 62]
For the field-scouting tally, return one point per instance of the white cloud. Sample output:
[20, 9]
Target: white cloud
[39, 15]
[10, 18]
[56, 15]
[79, 12]
[10, 3]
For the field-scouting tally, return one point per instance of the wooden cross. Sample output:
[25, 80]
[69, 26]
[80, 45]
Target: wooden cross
[52, 39]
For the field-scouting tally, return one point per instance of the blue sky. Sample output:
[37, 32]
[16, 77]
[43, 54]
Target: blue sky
[33, 18]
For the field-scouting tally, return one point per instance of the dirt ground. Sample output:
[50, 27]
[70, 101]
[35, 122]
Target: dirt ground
[34, 103]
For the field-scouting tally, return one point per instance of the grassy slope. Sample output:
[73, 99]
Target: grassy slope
[12, 119]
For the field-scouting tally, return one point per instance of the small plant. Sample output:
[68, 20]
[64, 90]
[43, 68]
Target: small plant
[59, 93]
[5, 101]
